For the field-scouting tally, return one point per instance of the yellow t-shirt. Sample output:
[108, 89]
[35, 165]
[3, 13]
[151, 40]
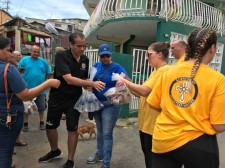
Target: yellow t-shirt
[180, 60]
[186, 116]
[146, 123]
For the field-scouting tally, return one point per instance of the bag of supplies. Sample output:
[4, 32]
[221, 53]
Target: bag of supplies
[88, 102]
[120, 94]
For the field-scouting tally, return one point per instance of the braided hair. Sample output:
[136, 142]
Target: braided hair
[199, 41]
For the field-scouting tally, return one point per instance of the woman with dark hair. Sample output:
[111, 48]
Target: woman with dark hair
[10, 125]
[191, 98]
[157, 55]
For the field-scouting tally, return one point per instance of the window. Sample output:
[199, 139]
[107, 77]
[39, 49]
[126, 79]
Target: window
[57, 25]
[70, 28]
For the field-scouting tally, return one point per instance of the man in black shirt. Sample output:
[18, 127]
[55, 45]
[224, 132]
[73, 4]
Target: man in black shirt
[71, 68]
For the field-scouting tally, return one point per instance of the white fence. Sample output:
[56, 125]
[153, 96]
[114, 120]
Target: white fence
[190, 12]
[92, 55]
[141, 71]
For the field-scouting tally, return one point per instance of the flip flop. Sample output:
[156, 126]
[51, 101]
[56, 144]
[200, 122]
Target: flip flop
[21, 144]
[13, 166]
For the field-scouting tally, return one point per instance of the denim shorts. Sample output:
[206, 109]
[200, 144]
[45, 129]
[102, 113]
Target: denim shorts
[41, 102]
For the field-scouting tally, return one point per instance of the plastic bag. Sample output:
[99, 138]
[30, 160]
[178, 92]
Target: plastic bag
[111, 96]
[30, 107]
[88, 102]
[123, 92]
[120, 94]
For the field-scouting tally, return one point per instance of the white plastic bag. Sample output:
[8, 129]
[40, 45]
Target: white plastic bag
[123, 92]
[111, 96]
[120, 94]
[88, 102]
[30, 107]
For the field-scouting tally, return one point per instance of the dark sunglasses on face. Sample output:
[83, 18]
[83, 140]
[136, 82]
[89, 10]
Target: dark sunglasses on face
[105, 55]
[149, 54]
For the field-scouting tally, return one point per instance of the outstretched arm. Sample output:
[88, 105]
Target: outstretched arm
[98, 85]
[142, 90]
[29, 94]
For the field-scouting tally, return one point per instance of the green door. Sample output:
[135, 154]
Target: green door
[126, 61]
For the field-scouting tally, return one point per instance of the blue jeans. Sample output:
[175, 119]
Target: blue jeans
[105, 122]
[8, 140]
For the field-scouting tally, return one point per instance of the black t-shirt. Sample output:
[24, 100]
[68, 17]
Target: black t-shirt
[66, 64]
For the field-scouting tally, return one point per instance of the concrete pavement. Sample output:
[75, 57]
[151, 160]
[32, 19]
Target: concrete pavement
[126, 153]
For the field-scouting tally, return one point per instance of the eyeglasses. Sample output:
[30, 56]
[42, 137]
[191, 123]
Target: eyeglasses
[105, 55]
[150, 54]
[80, 46]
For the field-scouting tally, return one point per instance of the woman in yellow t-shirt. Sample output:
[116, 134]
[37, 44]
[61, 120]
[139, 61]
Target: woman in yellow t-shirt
[157, 58]
[191, 98]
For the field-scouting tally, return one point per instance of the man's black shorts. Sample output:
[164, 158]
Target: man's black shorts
[54, 115]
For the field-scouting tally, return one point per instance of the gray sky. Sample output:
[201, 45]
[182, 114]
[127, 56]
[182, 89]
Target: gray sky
[48, 9]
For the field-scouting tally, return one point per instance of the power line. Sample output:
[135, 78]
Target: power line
[20, 7]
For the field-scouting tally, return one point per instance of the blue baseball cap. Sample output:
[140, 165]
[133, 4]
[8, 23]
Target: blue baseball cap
[104, 49]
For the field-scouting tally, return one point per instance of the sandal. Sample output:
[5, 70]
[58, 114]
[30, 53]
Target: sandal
[13, 166]
[21, 144]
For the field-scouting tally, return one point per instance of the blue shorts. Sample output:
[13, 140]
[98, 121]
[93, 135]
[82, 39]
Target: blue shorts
[41, 102]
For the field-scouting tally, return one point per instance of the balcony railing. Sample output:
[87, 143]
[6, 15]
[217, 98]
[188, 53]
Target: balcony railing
[190, 12]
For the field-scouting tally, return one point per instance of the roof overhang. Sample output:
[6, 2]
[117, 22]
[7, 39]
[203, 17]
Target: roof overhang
[145, 32]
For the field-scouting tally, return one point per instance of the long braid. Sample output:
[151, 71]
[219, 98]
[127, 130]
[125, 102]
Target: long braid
[200, 49]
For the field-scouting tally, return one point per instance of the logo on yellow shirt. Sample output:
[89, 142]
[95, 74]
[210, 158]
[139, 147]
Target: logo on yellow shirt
[179, 92]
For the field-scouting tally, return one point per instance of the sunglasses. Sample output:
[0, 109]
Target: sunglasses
[105, 55]
[149, 54]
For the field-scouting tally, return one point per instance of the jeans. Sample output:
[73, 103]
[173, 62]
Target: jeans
[105, 122]
[8, 140]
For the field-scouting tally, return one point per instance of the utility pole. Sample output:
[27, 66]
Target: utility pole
[6, 3]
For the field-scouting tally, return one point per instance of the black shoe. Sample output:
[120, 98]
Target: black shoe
[51, 155]
[69, 164]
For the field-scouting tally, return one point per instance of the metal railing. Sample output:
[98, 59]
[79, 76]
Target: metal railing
[140, 73]
[92, 55]
[190, 12]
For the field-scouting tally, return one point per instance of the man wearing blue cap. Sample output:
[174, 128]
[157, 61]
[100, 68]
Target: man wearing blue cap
[105, 118]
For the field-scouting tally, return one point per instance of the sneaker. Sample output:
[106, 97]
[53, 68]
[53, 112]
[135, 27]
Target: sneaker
[94, 158]
[25, 128]
[51, 155]
[69, 164]
[42, 126]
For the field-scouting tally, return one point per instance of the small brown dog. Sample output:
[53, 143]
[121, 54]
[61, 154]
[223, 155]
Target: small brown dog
[86, 129]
